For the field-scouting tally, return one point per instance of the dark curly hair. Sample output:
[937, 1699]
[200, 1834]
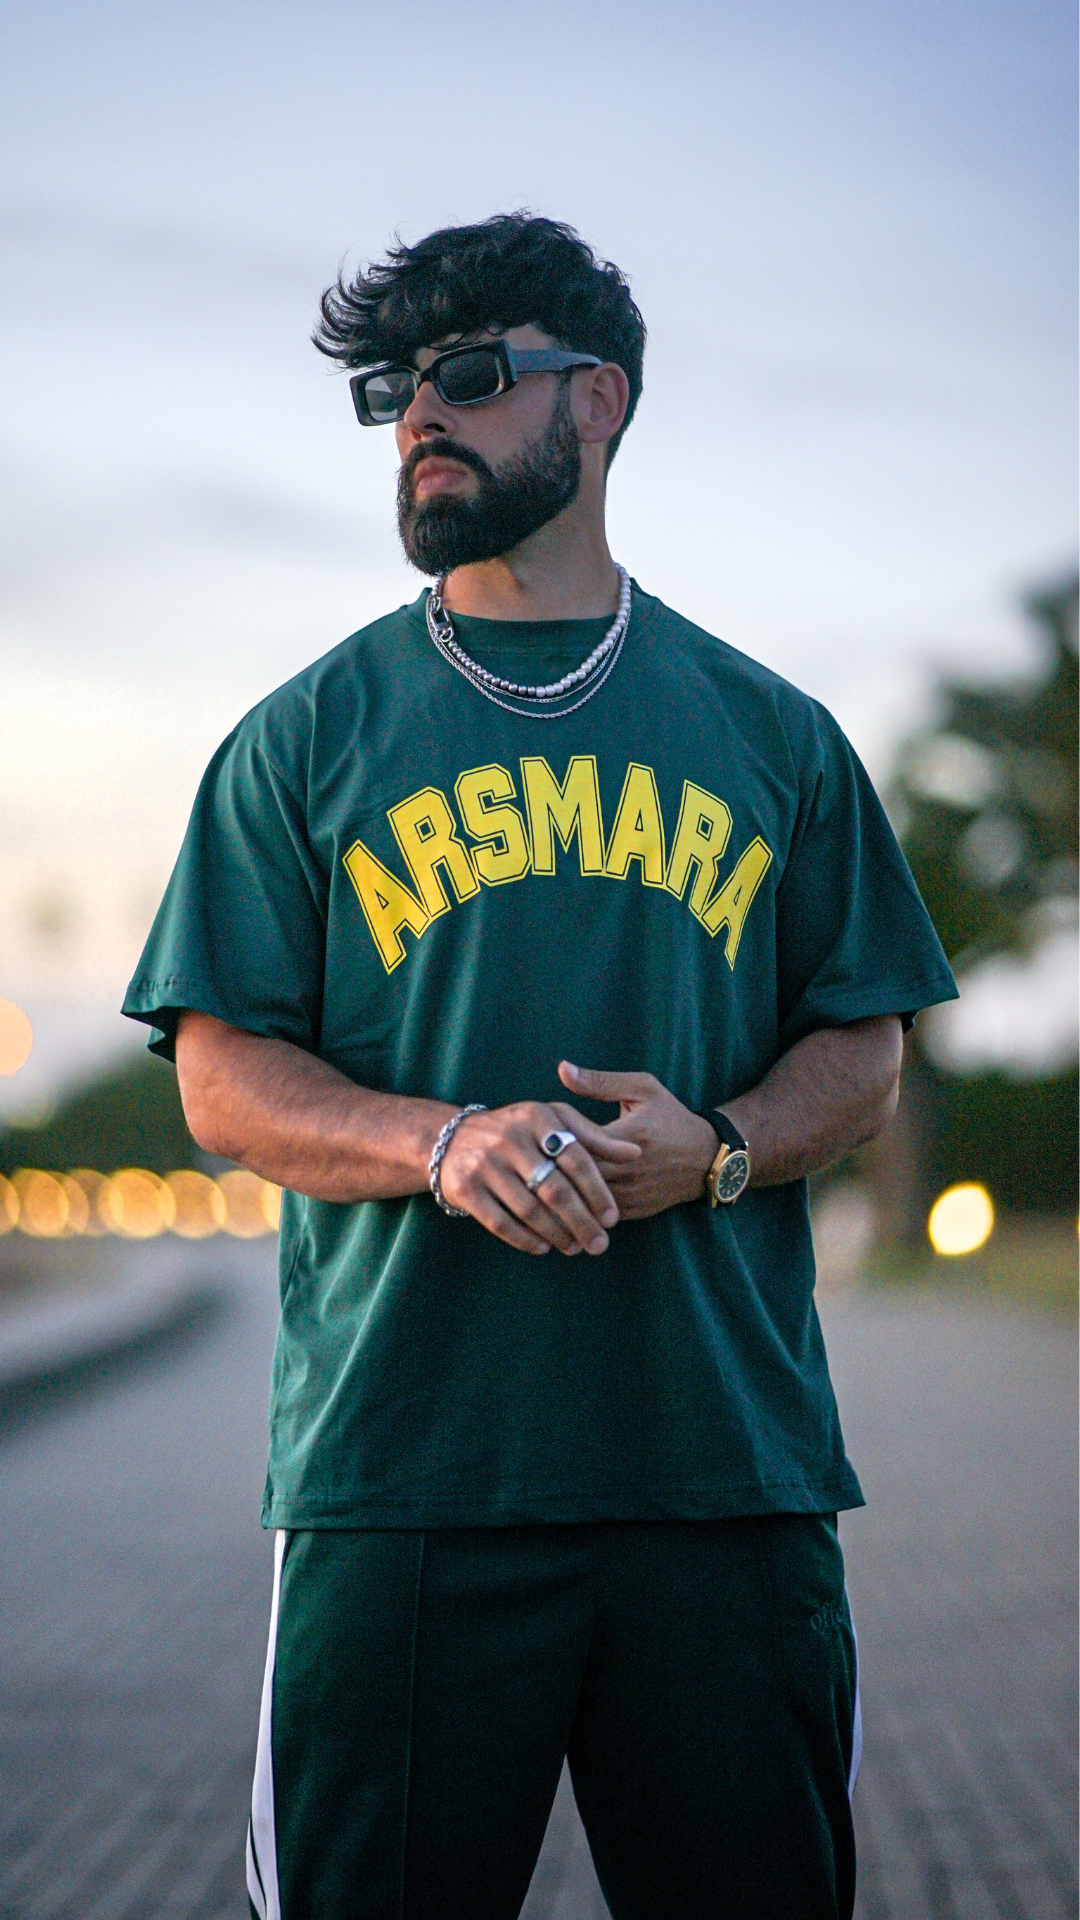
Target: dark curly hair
[503, 272]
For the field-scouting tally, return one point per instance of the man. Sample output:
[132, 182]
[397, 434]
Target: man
[527, 849]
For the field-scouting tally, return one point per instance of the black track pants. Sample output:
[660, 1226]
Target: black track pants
[423, 1689]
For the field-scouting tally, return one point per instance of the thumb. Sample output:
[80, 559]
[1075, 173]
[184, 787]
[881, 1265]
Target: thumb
[627, 1088]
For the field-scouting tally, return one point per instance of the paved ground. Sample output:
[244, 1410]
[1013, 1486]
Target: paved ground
[962, 1568]
[135, 1586]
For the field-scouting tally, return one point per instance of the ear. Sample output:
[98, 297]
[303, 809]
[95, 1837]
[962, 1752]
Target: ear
[600, 397]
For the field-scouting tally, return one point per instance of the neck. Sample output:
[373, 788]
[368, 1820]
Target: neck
[563, 572]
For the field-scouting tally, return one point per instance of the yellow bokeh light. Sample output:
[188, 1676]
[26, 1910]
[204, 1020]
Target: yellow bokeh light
[961, 1219]
[200, 1204]
[9, 1206]
[137, 1204]
[93, 1186]
[78, 1219]
[245, 1204]
[16, 1037]
[44, 1208]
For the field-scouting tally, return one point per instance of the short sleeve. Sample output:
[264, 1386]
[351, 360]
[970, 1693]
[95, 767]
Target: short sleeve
[241, 932]
[853, 937]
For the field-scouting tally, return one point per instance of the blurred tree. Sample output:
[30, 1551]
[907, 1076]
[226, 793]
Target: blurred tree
[985, 804]
[986, 800]
[1019, 1137]
[129, 1118]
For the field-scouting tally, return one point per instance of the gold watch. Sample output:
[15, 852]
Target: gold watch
[729, 1174]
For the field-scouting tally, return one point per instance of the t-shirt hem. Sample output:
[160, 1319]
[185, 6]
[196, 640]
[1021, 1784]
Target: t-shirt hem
[730, 1503]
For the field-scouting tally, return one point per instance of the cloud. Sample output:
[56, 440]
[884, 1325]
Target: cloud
[49, 237]
[53, 541]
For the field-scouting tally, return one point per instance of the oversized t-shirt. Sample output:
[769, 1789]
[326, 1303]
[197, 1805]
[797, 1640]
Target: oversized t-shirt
[442, 898]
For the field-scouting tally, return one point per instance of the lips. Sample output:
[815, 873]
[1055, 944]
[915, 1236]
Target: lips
[438, 476]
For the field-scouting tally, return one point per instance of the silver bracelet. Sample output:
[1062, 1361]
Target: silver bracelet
[438, 1155]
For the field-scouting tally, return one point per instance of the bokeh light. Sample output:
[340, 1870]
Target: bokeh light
[9, 1206]
[245, 1210]
[94, 1187]
[961, 1219]
[137, 1204]
[16, 1038]
[44, 1208]
[200, 1204]
[78, 1220]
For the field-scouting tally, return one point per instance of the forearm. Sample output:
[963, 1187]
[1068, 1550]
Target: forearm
[298, 1121]
[828, 1094]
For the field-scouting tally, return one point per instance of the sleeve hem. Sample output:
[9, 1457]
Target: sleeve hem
[840, 1008]
[158, 1004]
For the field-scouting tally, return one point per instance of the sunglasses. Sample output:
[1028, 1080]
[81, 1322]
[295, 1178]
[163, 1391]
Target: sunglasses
[463, 377]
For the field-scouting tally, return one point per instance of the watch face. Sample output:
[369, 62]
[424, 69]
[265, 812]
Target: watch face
[732, 1176]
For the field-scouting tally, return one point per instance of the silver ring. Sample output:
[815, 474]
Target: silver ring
[555, 1143]
[539, 1174]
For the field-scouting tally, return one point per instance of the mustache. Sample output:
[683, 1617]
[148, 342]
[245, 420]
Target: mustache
[442, 450]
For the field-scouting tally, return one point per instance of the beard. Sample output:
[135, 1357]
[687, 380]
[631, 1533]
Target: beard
[511, 501]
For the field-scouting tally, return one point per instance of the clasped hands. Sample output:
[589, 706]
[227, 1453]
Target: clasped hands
[655, 1155]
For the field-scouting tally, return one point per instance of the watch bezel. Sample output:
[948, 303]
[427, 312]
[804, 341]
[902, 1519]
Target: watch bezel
[735, 1164]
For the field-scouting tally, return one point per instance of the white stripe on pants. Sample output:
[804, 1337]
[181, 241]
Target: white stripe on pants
[262, 1880]
[856, 1731]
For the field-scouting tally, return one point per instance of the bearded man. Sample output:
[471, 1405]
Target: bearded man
[528, 849]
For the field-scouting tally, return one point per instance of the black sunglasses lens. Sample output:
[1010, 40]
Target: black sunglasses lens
[390, 394]
[464, 377]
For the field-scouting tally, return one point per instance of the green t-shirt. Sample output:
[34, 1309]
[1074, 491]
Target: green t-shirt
[442, 898]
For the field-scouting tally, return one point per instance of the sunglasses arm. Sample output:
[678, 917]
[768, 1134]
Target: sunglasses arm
[548, 359]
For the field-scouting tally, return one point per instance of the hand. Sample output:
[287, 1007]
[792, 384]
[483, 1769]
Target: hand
[677, 1146]
[490, 1158]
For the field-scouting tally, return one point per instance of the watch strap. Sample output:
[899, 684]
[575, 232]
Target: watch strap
[725, 1129]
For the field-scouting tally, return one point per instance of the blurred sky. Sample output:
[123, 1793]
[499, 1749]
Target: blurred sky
[850, 229]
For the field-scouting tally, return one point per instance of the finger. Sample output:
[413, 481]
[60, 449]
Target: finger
[580, 1171]
[554, 1209]
[578, 1167]
[601, 1143]
[530, 1210]
[596, 1085]
[561, 1198]
[617, 1132]
[504, 1226]
[625, 1187]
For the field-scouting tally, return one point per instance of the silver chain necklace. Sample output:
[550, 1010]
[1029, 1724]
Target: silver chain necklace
[591, 674]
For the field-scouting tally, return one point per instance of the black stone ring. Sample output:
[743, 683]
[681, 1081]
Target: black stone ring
[556, 1142]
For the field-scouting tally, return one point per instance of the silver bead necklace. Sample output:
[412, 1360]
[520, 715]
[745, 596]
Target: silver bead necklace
[590, 676]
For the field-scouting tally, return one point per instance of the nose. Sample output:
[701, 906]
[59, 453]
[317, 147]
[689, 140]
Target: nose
[427, 414]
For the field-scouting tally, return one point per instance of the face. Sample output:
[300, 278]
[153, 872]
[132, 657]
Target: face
[477, 481]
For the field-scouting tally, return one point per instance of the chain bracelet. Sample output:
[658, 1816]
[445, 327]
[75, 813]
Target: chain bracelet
[438, 1155]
